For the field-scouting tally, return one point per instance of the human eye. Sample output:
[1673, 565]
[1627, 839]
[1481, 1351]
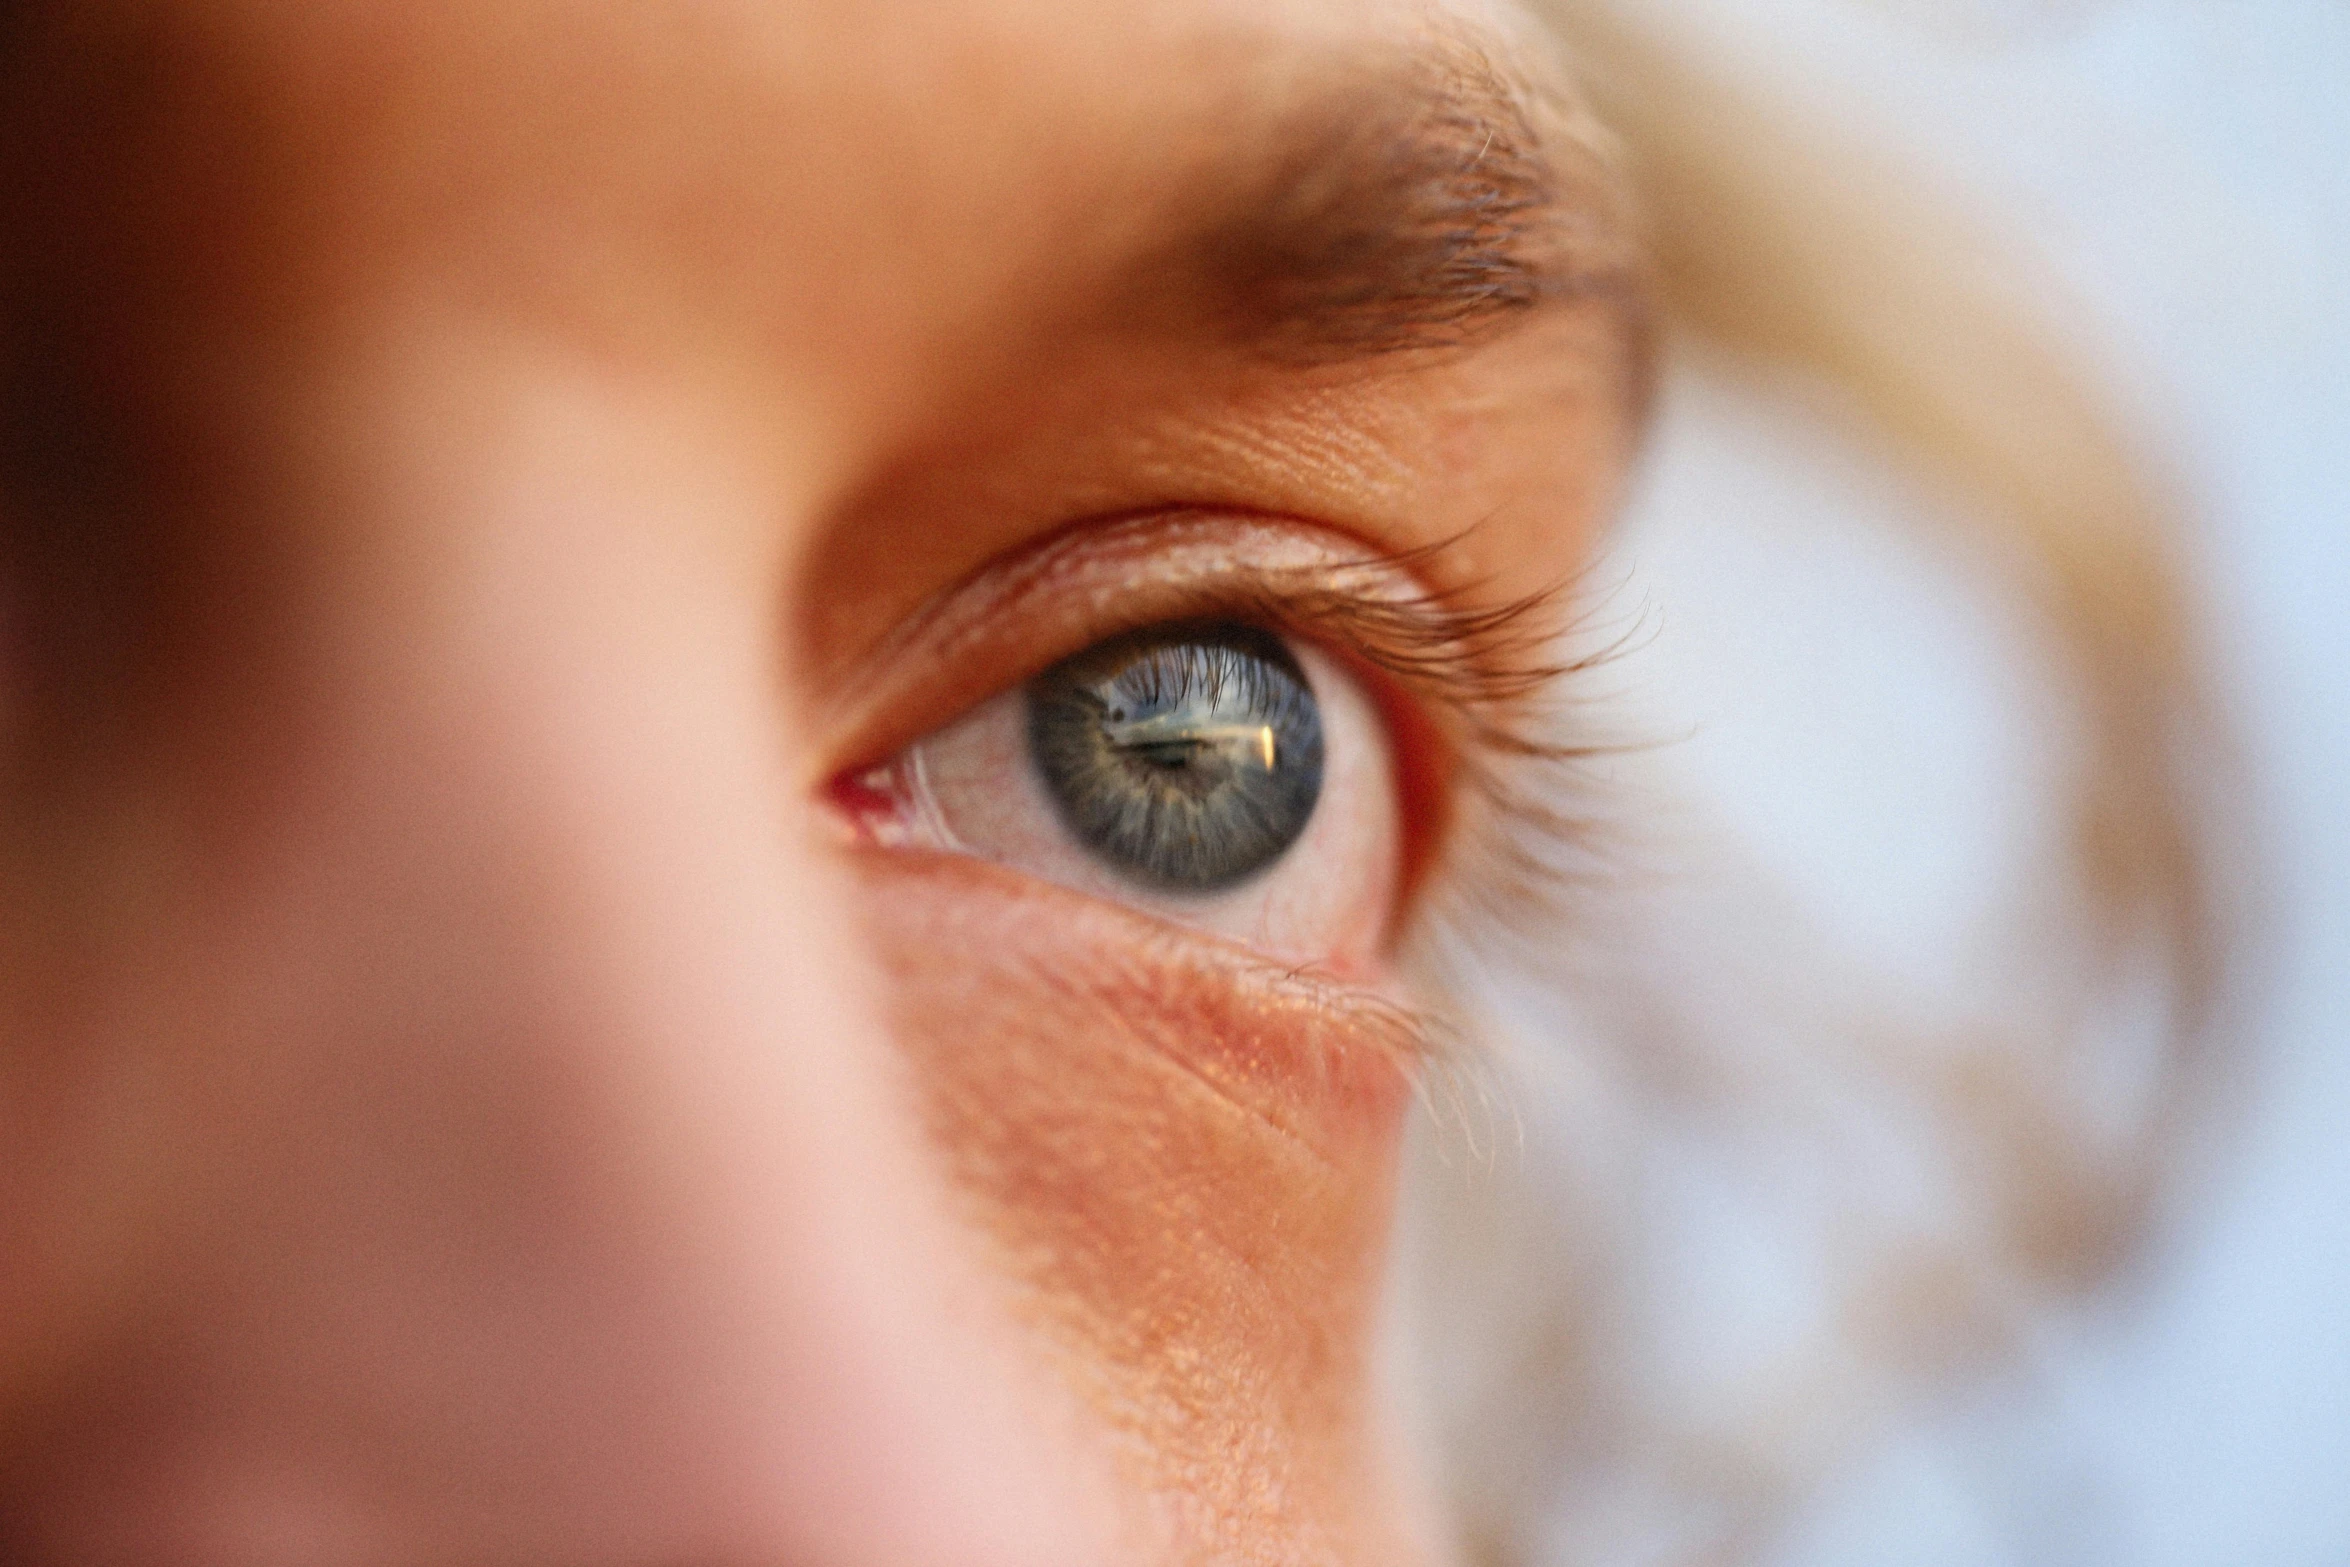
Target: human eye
[1215, 773]
[1258, 732]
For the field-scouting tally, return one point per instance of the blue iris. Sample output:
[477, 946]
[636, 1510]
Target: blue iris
[1187, 756]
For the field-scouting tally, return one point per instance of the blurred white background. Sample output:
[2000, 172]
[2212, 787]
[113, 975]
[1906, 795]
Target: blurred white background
[2183, 168]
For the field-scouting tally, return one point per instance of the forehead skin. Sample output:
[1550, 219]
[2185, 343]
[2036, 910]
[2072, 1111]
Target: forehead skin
[903, 236]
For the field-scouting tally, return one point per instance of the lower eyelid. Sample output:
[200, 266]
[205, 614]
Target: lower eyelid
[1328, 1063]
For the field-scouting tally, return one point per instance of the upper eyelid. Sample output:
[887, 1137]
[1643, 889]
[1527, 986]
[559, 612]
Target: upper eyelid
[1469, 664]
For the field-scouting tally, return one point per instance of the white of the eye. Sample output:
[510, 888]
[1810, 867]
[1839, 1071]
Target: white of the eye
[973, 788]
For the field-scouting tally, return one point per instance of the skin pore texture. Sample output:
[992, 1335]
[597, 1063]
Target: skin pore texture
[475, 1084]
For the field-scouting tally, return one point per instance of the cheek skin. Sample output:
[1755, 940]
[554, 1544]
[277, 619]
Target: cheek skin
[1185, 1160]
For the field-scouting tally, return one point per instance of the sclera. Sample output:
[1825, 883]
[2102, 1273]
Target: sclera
[973, 787]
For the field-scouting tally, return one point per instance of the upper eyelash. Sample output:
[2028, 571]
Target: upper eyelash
[1527, 826]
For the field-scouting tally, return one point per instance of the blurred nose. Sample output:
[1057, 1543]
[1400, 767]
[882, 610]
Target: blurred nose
[544, 1186]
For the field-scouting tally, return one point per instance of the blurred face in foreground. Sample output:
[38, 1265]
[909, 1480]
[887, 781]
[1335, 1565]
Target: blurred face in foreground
[716, 724]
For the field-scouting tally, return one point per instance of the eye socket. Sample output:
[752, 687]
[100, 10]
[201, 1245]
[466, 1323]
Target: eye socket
[1210, 772]
[1187, 757]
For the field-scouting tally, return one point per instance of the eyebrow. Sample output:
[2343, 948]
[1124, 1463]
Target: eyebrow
[1418, 209]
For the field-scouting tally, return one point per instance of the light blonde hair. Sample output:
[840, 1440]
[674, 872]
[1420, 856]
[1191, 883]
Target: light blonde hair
[1533, 1295]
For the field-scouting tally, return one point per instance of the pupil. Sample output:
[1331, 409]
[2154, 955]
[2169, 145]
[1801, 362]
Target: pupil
[1187, 756]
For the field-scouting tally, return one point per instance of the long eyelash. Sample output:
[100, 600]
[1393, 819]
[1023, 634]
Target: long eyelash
[1527, 831]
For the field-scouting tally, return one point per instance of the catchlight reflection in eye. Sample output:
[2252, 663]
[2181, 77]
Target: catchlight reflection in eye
[1189, 757]
[1209, 772]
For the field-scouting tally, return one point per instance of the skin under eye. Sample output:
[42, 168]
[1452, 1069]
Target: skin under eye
[1210, 773]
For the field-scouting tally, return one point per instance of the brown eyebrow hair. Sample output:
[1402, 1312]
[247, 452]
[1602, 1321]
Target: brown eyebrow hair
[1424, 207]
